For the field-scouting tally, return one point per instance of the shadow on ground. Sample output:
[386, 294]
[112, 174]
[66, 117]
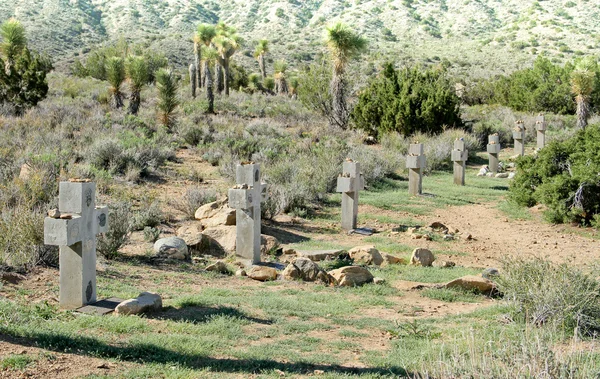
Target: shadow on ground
[192, 311]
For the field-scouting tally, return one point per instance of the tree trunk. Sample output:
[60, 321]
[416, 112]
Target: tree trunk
[197, 60]
[218, 78]
[204, 66]
[116, 99]
[134, 102]
[261, 65]
[226, 77]
[209, 89]
[193, 78]
[583, 111]
[339, 116]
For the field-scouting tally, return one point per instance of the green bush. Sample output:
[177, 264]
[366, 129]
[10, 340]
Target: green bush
[564, 177]
[407, 101]
[119, 229]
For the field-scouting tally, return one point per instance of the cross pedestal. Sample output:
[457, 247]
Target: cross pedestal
[415, 162]
[349, 184]
[75, 232]
[519, 137]
[459, 156]
[493, 149]
[245, 198]
[540, 127]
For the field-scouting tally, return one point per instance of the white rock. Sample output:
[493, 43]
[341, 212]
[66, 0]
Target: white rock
[171, 247]
[146, 302]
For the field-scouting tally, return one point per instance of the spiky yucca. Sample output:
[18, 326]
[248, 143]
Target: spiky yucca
[209, 56]
[281, 86]
[204, 36]
[343, 45]
[262, 48]
[227, 42]
[166, 84]
[137, 73]
[115, 75]
[294, 88]
[582, 85]
[13, 42]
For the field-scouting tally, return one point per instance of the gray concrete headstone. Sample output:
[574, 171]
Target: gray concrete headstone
[246, 199]
[540, 127]
[415, 162]
[459, 157]
[493, 149]
[349, 184]
[519, 137]
[75, 232]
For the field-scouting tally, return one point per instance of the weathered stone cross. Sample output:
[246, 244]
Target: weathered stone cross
[349, 184]
[493, 149]
[540, 126]
[415, 162]
[246, 197]
[459, 156]
[519, 137]
[75, 232]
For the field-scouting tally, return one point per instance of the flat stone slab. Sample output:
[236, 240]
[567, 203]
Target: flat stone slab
[362, 231]
[320, 255]
[100, 308]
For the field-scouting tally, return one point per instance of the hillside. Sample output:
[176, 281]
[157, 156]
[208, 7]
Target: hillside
[478, 37]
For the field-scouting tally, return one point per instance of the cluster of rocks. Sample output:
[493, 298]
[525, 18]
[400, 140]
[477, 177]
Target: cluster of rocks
[437, 228]
[485, 171]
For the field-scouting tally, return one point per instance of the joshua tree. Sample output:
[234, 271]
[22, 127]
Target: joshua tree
[115, 74]
[167, 96]
[13, 42]
[204, 36]
[343, 45]
[137, 74]
[227, 42]
[262, 48]
[281, 86]
[209, 56]
[193, 79]
[582, 85]
[294, 88]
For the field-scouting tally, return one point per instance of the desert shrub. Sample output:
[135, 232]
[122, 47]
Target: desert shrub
[407, 101]
[150, 214]
[119, 229]
[547, 293]
[313, 88]
[192, 199]
[151, 234]
[564, 177]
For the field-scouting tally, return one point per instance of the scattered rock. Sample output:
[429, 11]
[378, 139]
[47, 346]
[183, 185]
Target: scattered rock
[218, 266]
[422, 257]
[502, 175]
[351, 276]
[215, 214]
[192, 234]
[25, 172]
[321, 255]
[262, 273]
[11, 277]
[288, 255]
[448, 237]
[391, 259]
[291, 272]
[146, 302]
[171, 248]
[218, 241]
[443, 264]
[240, 272]
[438, 227]
[54, 213]
[378, 280]
[490, 174]
[367, 255]
[309, 270]
[268, 244]
[511, 175]
[472, 283]
[483, 171]
[490, 273]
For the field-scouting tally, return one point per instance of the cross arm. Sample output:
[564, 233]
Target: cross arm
[63, 232]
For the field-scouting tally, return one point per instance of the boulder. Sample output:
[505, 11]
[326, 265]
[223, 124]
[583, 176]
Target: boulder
[171, 248]
[191, 233]
[472, 283]
[268, 244]
[490, 273]
[262, 273]
[309, 270]
[422, 257]
[378, 280]
[443, 264]
[321, 255]
[367, 255]
[218, 241]
[291, 272]
[218, 266]
[215, 214]
[392, 259]
[146, 302]
[351, 276]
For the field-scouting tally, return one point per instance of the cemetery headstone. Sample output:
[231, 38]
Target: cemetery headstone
[415, 162]
[540, 127]
[74, 228]
[349, 184]
[460, 155]
[246, 198]
[519, 137]
[493, 149]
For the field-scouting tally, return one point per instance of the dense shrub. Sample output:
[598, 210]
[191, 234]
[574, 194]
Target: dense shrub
[119, 229]
[407, 101]
[564, 177]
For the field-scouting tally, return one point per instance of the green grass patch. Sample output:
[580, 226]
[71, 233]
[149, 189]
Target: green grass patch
[514, 211]
[16, 362]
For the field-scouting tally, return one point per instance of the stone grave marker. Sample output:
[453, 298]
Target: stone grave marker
[540, 127]
[349, 184]
[415, 162]
[74, 228]
[519, 137]
[460, 155]
[493, 149]
[246, 198]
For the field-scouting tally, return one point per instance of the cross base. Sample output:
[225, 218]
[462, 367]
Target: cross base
[100, 308]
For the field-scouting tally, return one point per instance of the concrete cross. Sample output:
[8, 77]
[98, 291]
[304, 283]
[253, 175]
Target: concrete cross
[349, 184]
[540, 127]
[519, 137]
[493, 149]
[460, 155]
[75, 232]
[245, 198]
[415, 162]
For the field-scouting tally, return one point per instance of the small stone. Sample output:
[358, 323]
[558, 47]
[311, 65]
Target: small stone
[262, 273]
[172, 248]
[422, 257]
[145, 302]
[54, 213]
[218, 266]
[268, 244]
[502, 175]
[490, 273]
[391, 259]
[443, 264]
[367, 255]
[471, 283]
[291, 272]
[489, 174]
[351, 276]
[511, 175]
[240, 272]
[448, 237]
[378, 280]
